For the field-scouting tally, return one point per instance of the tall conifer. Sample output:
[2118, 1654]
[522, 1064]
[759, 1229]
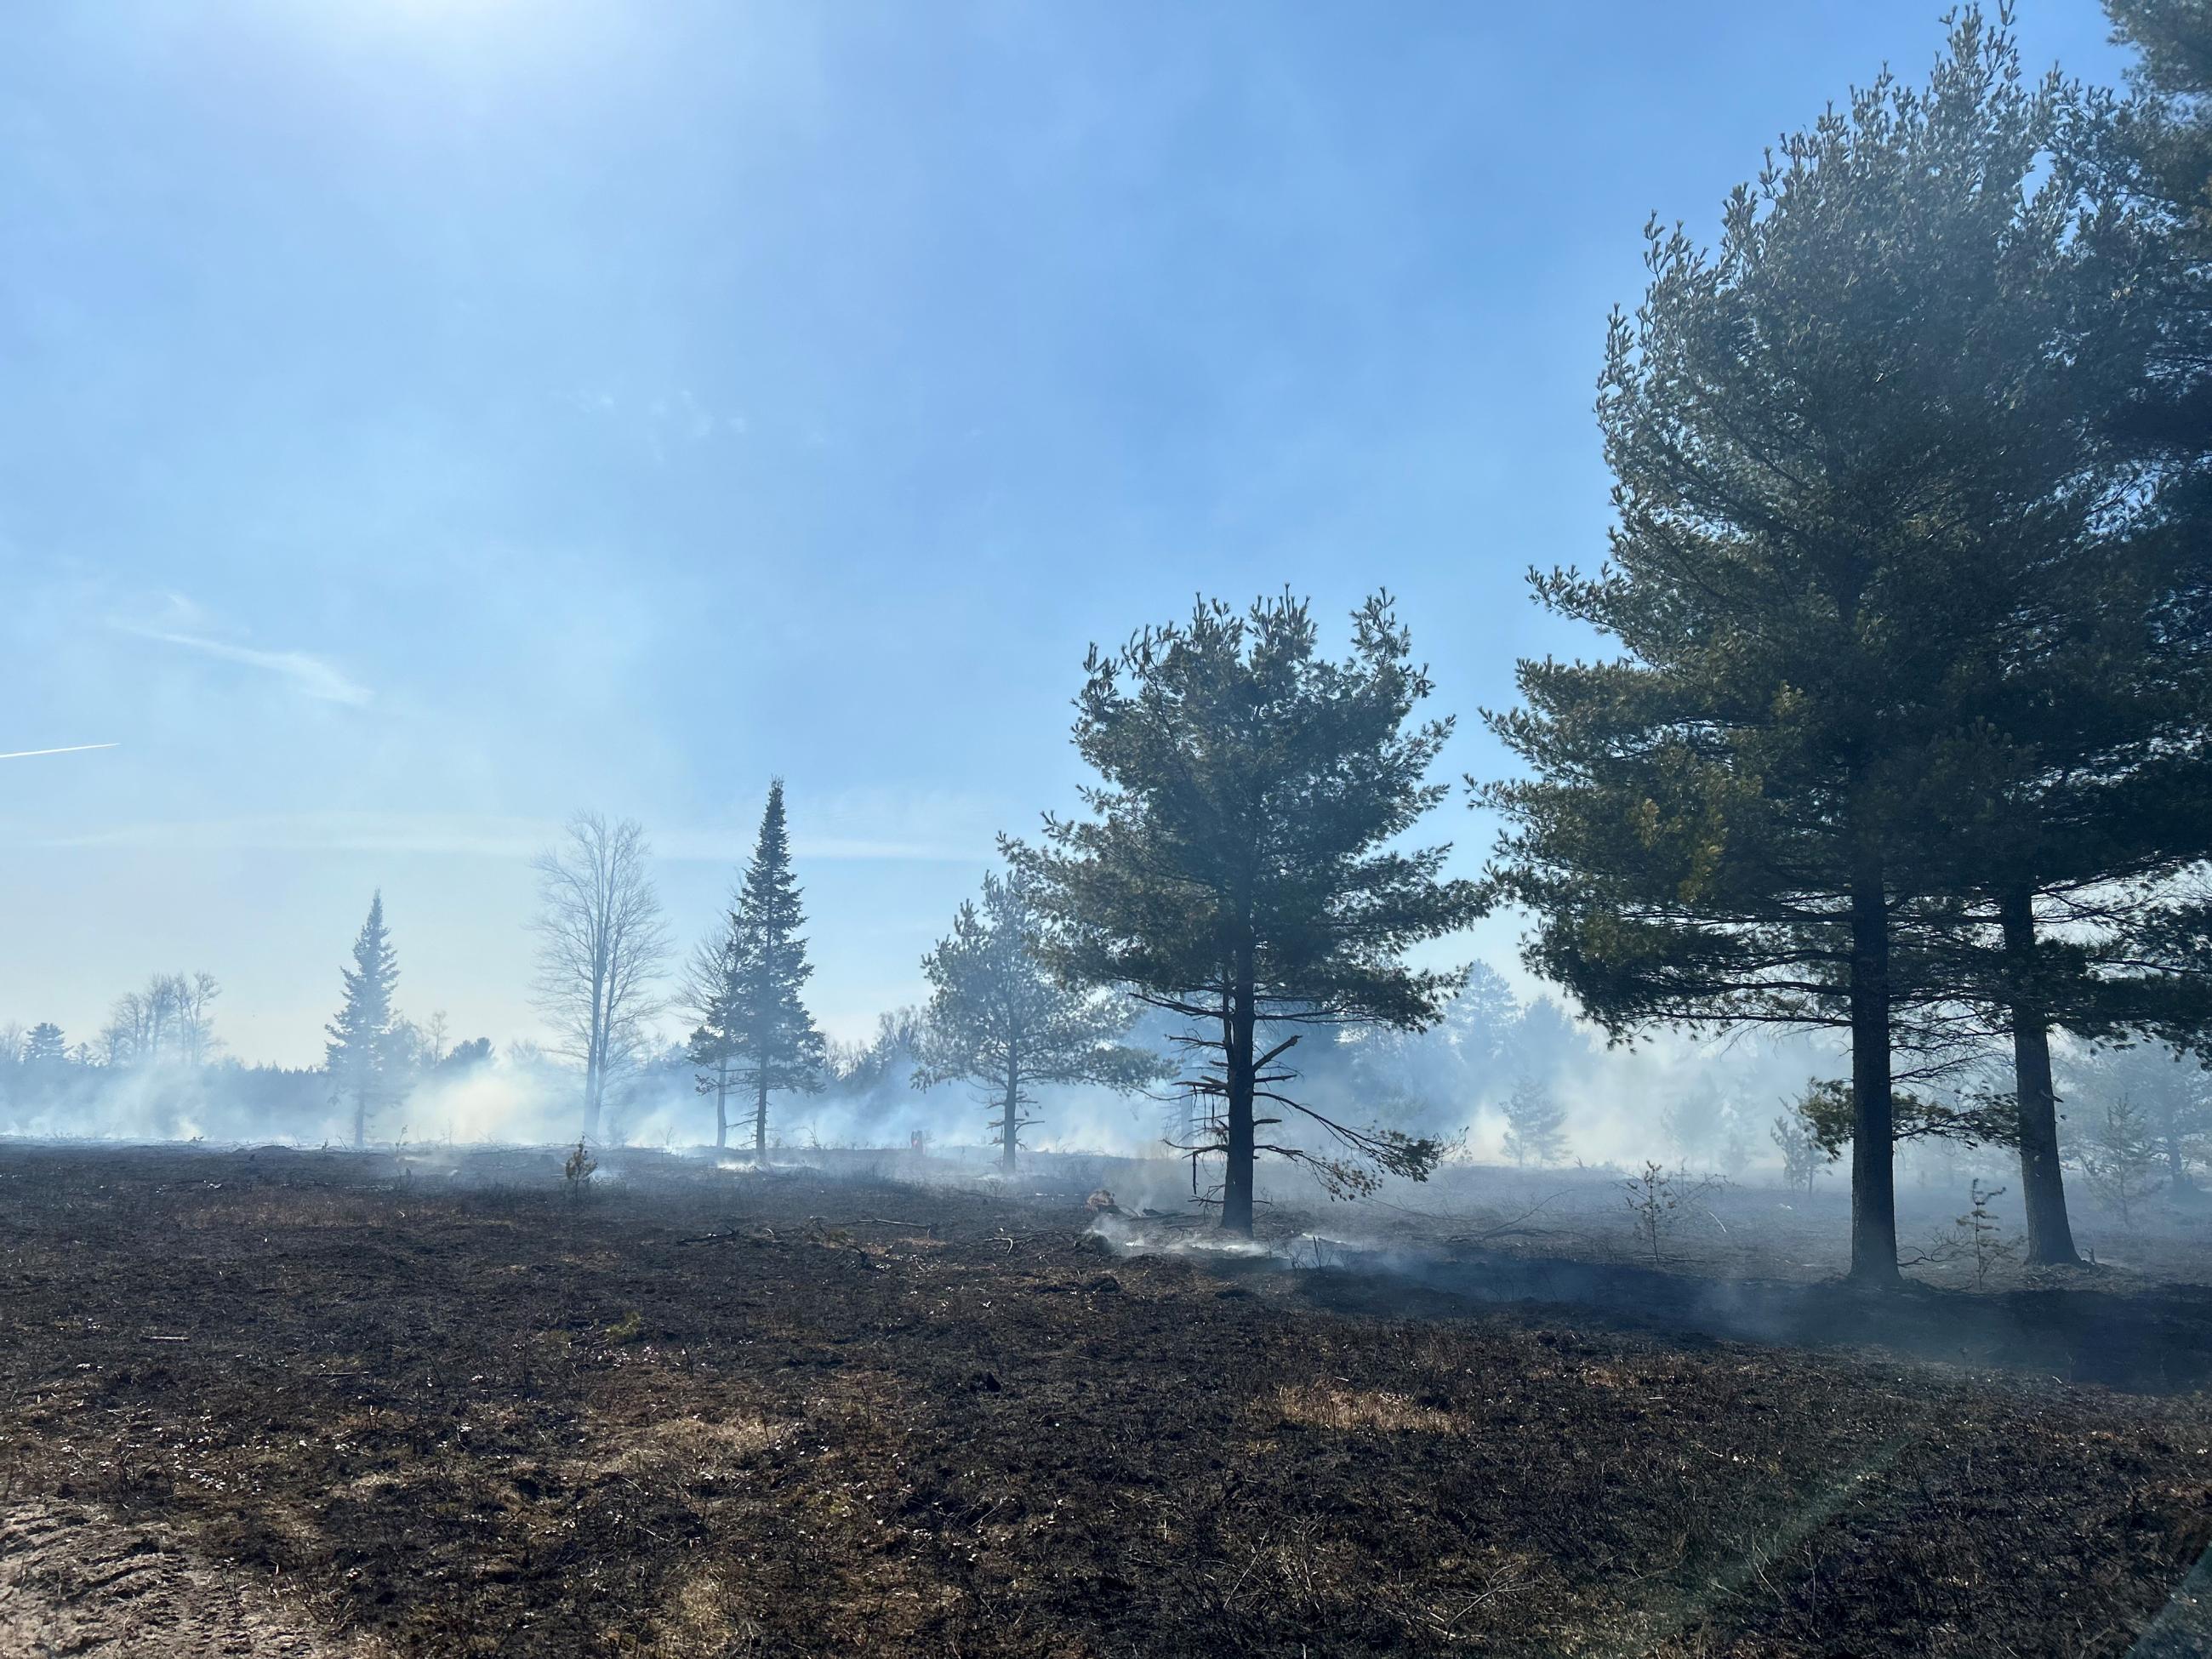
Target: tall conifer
[361, 1056]
[761, 1021]
[1862, 475]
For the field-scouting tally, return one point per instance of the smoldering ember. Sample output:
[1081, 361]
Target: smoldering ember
[867, 830]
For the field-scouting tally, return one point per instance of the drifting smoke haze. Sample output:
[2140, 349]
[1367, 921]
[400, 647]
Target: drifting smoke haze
[615, 539]
[989, 829]
[1708, 1105]
[615, 573]
[1622, 1105]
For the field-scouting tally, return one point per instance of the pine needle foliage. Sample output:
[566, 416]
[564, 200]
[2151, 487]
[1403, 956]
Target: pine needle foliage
[1241, 866]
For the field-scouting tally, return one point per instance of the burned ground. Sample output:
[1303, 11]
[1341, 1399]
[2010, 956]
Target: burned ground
[285, 1401]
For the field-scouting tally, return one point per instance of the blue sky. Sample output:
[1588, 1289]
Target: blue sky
[420, 418]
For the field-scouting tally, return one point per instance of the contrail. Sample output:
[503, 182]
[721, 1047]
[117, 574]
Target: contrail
[73, 748]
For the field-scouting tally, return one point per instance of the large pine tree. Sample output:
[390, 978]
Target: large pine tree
[760, 1023]
[1861, 475]
[2075, 802]
[361, 1057]
[2081, 760]
[997, 1020]
[2158, 146]
[1241, 866]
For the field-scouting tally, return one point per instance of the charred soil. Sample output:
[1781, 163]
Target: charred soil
[294, 1402]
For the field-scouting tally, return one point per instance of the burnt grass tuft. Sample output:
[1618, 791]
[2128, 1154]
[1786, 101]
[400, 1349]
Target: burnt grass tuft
[442, 1420]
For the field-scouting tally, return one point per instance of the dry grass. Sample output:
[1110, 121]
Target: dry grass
[1332, 1406]
[681, 1448]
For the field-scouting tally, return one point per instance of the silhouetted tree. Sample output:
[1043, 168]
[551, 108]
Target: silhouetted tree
[1535, 1123]
[760, 1019]
[43, 1045]
[1699, 1122]
[1851, 449]
[196, 1017]
[170, 1023]
[1483, 1023]
[1798, 1140]
[893, 1053]
[2117, 1155]
[707, 999]
[363, 1057]
[2170, 1099]
[997, 1020]
[1241, 866]
[601, 946]
[466, 1056]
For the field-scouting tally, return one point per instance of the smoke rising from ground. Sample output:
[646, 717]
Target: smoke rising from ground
[2135, 1119]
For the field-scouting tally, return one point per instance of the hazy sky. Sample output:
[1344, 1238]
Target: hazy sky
[419, 419]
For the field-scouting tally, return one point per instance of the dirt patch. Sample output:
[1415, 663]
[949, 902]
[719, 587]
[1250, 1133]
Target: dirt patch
[74, 1582]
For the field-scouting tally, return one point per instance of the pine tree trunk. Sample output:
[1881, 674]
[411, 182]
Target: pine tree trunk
[1874, 1188]
[591, 1098]
[1237, 1179]
[361, 1117]
[760, 1121]
[2042, 1182]
[1009, 1128]
[721, 1102]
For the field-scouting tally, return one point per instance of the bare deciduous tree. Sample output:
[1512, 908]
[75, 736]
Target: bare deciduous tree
[167, 1023]
[195, 1037]
[601, 946]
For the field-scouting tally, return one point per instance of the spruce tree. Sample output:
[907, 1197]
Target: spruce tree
[360, 1055]
[43, 1046]
[1241, 869]
[997, 1020]
[768, 1035]
[1860, 473]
